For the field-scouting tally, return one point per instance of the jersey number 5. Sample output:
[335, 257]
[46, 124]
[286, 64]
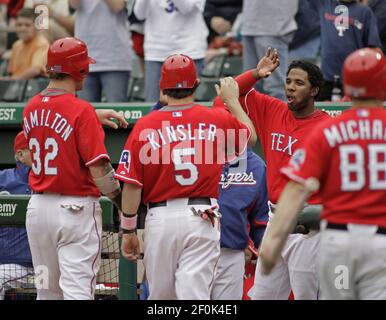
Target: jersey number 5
[353, 173]
[179, 165]
[51, 146]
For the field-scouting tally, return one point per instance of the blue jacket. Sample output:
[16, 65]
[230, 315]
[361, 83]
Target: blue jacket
[243, 201]
[14, 247]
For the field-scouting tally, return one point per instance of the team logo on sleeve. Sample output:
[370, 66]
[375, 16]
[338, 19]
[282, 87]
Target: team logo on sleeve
[125, 160]
[298, 158]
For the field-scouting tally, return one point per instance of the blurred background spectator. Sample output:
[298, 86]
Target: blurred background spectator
[268, 24]
[61, 22]
[306, 41]
[379, 9]
[104, 26]
[137, 29]
[346, 26]
[220, 15]
[171, 26]
[28, 55]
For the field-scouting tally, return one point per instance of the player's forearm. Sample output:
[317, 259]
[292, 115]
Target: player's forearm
[283, 223]
[131, 198]
[116, 5]
[103, 176]
[236, 109]
[246, 81]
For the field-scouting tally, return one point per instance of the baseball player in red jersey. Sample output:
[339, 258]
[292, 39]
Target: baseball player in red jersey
[282, 128]
[345, 158]
[174, 156]
[70, 170]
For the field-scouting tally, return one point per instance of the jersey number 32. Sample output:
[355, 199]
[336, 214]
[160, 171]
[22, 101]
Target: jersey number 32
[51, 148]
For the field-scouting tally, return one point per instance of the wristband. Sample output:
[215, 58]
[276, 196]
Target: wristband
[124, 231]
[128, 223]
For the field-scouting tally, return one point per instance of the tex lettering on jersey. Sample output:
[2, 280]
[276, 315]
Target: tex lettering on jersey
[283, 143]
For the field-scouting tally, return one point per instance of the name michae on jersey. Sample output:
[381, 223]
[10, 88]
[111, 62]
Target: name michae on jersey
[355, 130]
[181, 132]
[43, 118]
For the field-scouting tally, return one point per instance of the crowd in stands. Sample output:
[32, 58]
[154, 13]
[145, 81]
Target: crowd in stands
[130, 39]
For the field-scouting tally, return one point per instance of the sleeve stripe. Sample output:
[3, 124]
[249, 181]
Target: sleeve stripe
[128, 180]
[288, 172]
[101, 156]
[245, 100]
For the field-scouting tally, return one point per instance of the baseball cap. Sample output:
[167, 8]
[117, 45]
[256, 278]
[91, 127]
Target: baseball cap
[20, 142]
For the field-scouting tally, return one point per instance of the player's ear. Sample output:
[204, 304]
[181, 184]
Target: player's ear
[314, 91]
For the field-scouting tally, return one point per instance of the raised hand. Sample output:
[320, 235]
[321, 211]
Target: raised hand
[267, 64]
[228, 90]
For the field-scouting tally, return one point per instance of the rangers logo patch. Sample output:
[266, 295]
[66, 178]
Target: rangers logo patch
[176, 114]
[298, 158]
[125, 160]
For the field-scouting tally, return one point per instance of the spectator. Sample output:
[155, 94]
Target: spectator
[172, 26]
[260, 32]
[346, 26]
[28, 55]
[61, 23]
[137, 29]
[103, 25]
[220, 15]
[3, 25]
[379, 9]
[15, 255]
[306, 41]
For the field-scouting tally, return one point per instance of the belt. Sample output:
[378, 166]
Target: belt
[37, 192]
[338, 226]
[191, 201]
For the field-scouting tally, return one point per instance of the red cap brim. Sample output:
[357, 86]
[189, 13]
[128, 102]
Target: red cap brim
[91, 60]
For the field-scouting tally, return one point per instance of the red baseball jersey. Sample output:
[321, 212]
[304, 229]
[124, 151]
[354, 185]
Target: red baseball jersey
[347, 155]
[178, 151]
[279, 132]
[64, 136]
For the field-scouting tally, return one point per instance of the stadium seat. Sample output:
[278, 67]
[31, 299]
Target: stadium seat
[136, 90]
[206, 90]
[12, 90]
[3, 67]
[34, 86]
[233, 66]
[214, 67]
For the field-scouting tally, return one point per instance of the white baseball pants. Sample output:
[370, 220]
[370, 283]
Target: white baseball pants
[296, 269]
[181, 252]
[352, 263]
[65, 245]
[229, 279]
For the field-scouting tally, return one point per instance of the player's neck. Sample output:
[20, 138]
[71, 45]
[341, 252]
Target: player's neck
[366, 103]
[179, 102]
[305, 112]
[65, 85]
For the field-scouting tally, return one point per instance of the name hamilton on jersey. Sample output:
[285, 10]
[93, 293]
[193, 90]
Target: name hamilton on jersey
[181, 132]
[46, 118]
